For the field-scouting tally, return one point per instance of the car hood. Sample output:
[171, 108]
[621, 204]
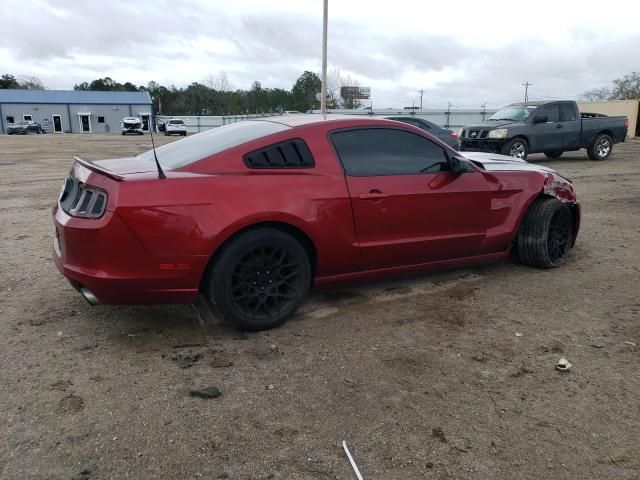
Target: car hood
[490, 125]
[494, 162]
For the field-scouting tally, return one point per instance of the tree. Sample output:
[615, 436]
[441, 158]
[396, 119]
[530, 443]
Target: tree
[31, 83]
[627, 87]
[596, 95]
[336, 80]
[8, 81]
[304, 91]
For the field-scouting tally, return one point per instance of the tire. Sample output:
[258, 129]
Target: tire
[123, 134]
[517, 147]
[553, 154]
[601, 148]
[545, 234]
[260, 279]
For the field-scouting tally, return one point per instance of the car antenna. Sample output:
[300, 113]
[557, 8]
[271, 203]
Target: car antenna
[161, 174]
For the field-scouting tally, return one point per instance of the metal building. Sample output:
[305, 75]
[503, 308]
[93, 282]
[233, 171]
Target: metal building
[74, 111]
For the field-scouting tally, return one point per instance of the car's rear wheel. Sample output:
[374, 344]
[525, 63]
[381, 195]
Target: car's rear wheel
[545, 234]
[553, 154]
[260, 279]
[517, 148]
[601, 148]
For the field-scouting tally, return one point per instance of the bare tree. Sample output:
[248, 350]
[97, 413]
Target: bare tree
[627, 87]
[220, 82]
[336, 80]
[28, 82]
[597, 95]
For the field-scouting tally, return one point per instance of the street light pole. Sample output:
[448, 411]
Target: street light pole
[323, 99]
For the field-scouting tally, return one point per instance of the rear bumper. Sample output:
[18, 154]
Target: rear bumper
[104, 257]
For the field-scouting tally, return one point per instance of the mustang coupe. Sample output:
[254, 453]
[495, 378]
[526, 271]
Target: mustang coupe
[253, 214]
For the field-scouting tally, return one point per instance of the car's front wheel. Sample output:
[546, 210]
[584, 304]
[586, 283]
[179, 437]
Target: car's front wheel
[260, 279]
[545, 234]
[517, 148]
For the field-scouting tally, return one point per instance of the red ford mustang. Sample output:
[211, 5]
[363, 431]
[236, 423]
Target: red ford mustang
[252, 214]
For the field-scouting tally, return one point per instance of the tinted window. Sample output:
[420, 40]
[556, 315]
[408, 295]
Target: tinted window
[100, 119]
[196, 147]
[176, 122]
[567, 112]
[552, 112]
[385, 151]
[10, 120]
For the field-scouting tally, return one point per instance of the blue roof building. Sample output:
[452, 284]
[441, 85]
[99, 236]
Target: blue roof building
[74, 111]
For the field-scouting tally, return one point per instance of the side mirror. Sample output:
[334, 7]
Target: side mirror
[541, 119]
[458, 164]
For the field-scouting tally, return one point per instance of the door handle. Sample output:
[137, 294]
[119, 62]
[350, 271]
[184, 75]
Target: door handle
[373, 195]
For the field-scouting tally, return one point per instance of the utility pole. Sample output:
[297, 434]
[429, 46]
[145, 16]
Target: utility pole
[526, 86]
[484, 110]
[421, 93]
[323, 99]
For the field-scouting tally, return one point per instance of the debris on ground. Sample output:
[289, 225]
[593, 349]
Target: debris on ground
[189, 345]
[597, 343]
[220, 363]
[439, 434]
[518, 334]
[351, 461]
[563, 365]
[630, 343]
[206, 392]
[186, 361]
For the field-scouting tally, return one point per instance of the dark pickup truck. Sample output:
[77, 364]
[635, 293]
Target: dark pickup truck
[551, 127]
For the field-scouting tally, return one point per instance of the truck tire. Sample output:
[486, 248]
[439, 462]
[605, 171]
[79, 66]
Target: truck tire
[545, 234]
[601, 148]
[517, 148]
[260, 279]
[553, 154]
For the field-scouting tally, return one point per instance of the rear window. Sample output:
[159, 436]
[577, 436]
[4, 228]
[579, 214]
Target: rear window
[176, 122]
[196, 147]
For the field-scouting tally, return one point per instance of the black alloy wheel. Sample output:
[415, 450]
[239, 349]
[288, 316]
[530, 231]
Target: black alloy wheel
[260, 279]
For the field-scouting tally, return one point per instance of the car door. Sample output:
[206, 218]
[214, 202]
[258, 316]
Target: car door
[408, 208]
[548, 135]
[571, 126]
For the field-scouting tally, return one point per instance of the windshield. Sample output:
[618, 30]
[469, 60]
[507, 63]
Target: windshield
[196, 147]
[517, 113]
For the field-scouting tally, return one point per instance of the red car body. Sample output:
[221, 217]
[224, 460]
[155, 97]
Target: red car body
[156, 237]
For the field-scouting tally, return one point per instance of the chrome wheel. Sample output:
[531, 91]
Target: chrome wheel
[603, 147]
[518, 150]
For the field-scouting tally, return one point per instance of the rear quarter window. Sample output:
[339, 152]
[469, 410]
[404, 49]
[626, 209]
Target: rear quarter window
[196, 147]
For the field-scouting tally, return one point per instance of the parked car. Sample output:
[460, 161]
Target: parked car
[252, 214]
[175, 126]
[549, 127]
[131, 125]
[24, 127]
[447, 136]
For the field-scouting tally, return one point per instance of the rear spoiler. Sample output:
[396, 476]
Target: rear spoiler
[97, 168]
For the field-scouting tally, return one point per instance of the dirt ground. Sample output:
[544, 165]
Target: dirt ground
[436, 376]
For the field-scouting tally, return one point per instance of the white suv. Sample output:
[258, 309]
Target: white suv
[175, 126]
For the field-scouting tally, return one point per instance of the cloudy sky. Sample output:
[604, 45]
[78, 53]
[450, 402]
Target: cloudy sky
[463, 52]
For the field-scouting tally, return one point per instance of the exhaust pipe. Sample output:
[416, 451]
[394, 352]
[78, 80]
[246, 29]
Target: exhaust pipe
[89, 296]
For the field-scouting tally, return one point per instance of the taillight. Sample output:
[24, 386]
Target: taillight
[81, 200]
[453, 135]
[626, 123]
